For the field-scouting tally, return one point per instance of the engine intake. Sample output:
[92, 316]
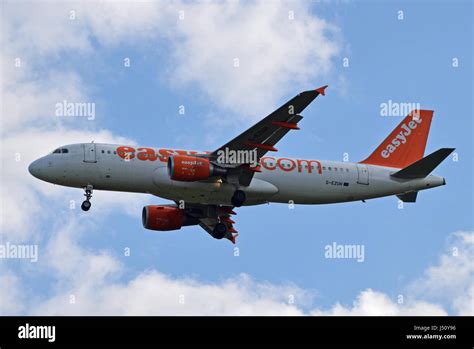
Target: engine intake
[166, 217]
[190, 168]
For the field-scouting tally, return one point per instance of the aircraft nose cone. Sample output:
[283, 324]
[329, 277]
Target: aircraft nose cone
[35, 169]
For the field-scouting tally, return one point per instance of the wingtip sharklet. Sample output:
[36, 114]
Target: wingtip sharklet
[321, 89]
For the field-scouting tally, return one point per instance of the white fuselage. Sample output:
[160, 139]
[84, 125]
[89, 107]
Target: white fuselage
[281, 180]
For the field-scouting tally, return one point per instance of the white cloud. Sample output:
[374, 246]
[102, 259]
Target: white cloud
[29, 103]
[281, 47]
[93, 278]
[73, 264]
[373, 303]
[276, 54]
[11, 294]
[452, 280]
[115, 22]
[153, 293]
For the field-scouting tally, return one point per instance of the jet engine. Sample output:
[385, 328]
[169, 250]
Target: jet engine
[190, 168]
[166, 217]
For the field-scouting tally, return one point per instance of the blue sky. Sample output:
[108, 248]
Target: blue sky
[407, 60]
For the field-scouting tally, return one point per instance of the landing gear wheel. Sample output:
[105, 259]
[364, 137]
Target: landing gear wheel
[219, 231]
[238, 198]
[86, 205]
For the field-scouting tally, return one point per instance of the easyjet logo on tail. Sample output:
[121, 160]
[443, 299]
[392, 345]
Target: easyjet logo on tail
[401, 137]
[406, 143]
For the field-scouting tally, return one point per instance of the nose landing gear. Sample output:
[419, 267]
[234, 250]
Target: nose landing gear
[86, 204]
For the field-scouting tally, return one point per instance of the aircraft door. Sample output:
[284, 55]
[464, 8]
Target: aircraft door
[89, 152]
[362, 174]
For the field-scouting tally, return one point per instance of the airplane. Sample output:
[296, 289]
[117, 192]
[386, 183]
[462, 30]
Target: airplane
[207, 187]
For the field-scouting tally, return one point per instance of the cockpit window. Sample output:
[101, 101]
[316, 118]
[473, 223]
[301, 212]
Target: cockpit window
[61, 151]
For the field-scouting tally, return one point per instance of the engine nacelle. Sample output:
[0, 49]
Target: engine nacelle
[165, 218]
[190, 168]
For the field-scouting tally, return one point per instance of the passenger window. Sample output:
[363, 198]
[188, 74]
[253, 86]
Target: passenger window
[324, 167]
[329, 168]
[115, 152]
[347, 170]
[103, 152]
[108, 151]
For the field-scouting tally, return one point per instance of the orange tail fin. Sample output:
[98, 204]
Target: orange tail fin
[406, 144]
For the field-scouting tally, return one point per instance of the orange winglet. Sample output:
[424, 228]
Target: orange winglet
[321, 90]
[262, 146]
[289, 125]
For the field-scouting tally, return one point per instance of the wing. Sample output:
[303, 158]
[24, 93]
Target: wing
[264, 135]
[209, 216]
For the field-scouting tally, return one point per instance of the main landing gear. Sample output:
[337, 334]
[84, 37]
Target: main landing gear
[238, 198]
[219, 231]
[86, 205]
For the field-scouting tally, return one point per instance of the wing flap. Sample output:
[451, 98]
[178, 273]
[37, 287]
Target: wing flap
[210, 215]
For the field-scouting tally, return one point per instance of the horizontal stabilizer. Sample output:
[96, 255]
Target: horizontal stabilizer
[423, 167]
[408, 197]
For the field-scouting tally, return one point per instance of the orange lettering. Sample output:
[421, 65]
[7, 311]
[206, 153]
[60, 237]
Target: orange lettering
[126, 152]
[146, 154]
[263, 162]
[309, 163]
[165, 153]
[283, 168]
